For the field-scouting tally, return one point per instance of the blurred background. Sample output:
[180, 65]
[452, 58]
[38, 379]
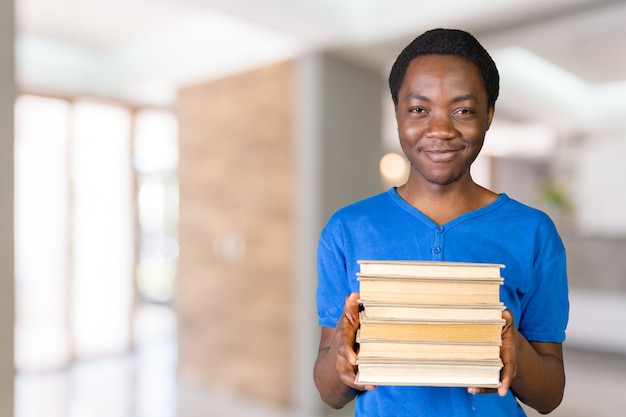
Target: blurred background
[167, 165]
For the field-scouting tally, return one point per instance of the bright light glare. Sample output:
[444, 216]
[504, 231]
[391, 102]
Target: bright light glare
[394, 168]
[41, 227]
[151, 205]
[156, 141]
[103, 228]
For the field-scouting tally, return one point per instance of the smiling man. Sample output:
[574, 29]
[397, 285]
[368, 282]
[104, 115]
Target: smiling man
[444, 86]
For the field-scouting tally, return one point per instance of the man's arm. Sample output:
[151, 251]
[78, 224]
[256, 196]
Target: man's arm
[534, 371]
[539, 377]
[335, 367]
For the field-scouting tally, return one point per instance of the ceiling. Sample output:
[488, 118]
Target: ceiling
[557, 58]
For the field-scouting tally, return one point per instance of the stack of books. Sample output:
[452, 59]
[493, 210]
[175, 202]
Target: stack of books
[430, 323]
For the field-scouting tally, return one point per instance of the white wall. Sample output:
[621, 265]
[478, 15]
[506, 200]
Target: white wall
[350, 129]
[7, 94]
[599, 186]
[337, 152]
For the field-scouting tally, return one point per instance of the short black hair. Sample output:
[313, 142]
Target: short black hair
[447, 42]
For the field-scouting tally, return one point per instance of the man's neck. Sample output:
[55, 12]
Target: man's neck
[443, 203]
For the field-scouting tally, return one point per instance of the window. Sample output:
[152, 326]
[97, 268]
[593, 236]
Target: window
[155, 161]
[41, 233]
[96, 207]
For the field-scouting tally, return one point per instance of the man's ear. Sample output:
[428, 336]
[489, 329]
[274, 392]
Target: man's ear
[490, 111]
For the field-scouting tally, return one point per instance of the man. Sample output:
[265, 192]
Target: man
[444, 86]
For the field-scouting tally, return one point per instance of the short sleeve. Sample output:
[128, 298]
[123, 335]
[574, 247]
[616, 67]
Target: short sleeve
[332, 285]
[545, 308]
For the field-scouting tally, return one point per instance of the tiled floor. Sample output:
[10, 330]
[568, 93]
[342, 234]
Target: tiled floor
[137, 384]
[143, 384]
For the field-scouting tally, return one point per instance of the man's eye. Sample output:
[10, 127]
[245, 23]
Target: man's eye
[417, 110]
[465, 111]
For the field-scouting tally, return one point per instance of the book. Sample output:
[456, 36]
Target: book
[429, 323]
[423, 290]
[381, 349]
[432, 312]
[481, 332]
[485, 374]
[430, 269]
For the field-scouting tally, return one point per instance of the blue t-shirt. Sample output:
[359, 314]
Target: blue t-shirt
[385, 227]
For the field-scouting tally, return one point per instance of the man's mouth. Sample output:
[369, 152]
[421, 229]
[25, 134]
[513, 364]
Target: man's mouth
[441, 155]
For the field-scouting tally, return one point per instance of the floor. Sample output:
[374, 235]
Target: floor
[143, 384]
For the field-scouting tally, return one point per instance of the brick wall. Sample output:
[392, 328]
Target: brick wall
[237, 183]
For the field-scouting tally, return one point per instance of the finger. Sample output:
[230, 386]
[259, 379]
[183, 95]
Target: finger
[505, 381]
[508, 353]
[351, 309]
[345, 335]
[347, 374]
[477, 390]
[346, 346]
[507, 315]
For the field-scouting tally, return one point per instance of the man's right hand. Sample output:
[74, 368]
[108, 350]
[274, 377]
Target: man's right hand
[345, 340]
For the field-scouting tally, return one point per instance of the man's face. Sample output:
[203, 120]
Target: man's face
[442, 117]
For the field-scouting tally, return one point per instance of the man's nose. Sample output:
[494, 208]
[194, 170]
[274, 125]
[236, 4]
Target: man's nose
[441, 126]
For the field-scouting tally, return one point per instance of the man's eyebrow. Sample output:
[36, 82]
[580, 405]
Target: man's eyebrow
[466, 97]
[415, 96]
[420, 97]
